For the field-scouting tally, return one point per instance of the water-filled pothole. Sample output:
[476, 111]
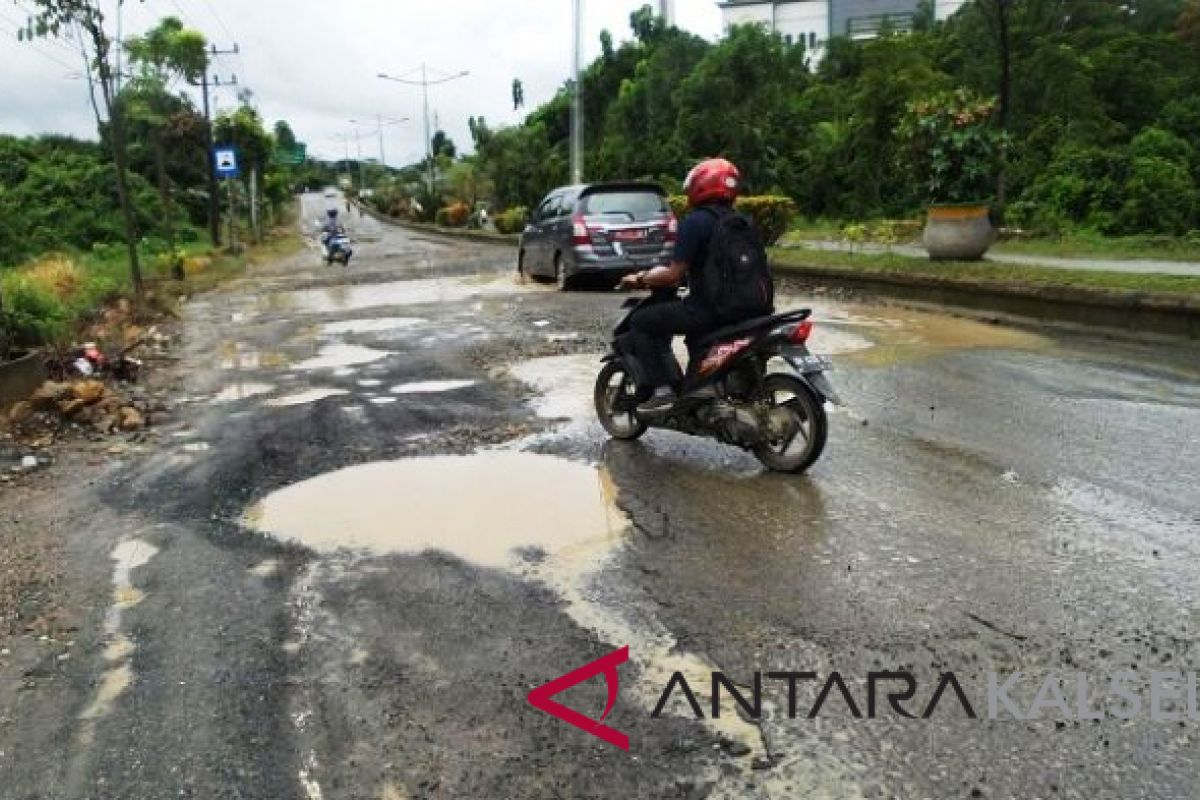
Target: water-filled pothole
[487, 508]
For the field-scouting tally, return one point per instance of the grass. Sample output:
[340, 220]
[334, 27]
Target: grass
[974, 272]
[1093, 245]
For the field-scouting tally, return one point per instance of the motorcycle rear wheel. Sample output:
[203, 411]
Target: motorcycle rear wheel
[803, 446]
[616, 402]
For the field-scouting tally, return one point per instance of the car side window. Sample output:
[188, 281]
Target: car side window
[545, 210]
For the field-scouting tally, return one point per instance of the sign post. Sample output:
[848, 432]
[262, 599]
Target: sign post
[225, 161]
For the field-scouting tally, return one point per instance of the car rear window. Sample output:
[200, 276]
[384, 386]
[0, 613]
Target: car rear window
[639, 204]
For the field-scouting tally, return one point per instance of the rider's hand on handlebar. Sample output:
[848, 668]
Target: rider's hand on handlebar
[631, 282]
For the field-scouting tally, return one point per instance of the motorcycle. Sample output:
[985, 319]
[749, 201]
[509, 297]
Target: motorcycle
[337, 248]
[734, 390]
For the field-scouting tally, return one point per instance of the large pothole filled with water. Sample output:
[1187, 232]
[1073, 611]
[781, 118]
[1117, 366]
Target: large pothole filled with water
[488, 508]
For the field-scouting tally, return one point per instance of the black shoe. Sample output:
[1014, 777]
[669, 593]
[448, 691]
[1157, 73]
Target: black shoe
[662, 400]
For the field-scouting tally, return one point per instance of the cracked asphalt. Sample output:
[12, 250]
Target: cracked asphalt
[383, 513]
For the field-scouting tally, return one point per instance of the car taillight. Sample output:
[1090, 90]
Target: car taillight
[672, 228]
[801, 332]
[580, 236]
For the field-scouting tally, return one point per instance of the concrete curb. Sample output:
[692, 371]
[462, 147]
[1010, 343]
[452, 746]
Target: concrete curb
[437, 230]
[1172, 315]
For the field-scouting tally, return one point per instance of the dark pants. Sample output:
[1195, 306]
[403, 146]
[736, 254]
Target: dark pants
[650, 333]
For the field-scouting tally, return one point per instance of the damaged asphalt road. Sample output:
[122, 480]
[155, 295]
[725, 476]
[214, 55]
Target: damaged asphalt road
[385, 514]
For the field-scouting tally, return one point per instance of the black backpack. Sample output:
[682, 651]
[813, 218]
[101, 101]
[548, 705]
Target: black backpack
[737, 276]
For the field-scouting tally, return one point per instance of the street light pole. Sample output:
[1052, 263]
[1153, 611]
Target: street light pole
[425, 83]
[577, 98]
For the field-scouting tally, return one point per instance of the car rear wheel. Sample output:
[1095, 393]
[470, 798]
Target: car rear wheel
[521, 276]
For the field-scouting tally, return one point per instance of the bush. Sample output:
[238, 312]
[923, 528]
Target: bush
[771, 213]
[32, 315]
[512, 220]
[1159, 198]
[679, 204]
[453, 216]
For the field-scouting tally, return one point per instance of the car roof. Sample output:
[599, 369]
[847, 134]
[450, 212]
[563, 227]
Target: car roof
[580, 190]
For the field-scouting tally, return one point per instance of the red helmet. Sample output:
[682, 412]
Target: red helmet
[713, 179]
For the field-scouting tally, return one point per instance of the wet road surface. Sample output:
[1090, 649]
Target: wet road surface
[386, 514]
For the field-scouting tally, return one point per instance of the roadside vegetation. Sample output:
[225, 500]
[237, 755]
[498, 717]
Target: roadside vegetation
[127, 216]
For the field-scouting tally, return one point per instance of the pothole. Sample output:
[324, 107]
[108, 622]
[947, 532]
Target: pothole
[488, 508]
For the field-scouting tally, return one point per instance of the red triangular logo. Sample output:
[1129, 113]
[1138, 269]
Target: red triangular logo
[540, 698]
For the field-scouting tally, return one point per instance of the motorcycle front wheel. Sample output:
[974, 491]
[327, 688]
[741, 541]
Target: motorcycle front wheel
[798, 425]
[616, 402]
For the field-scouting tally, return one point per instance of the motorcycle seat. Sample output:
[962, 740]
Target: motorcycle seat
[752, 325]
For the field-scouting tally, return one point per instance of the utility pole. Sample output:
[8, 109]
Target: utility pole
[577, 97]
[425, 83]
[666, 10]
[214, 200]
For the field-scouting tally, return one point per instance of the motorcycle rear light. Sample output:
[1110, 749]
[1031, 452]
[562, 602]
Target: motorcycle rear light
[580, 235]
[801, 332]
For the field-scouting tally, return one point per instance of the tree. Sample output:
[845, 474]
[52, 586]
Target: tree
[441, 145]
[285, 139]
[165, 53]
[53, 18]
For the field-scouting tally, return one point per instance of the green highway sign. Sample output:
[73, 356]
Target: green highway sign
[296, 155]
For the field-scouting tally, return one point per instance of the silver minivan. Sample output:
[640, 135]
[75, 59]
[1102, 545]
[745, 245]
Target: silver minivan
[602, 230]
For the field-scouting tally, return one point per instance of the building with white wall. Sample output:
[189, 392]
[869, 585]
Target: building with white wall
[813, 22]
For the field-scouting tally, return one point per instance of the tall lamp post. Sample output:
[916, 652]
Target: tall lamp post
[425, 83]
[577, 95]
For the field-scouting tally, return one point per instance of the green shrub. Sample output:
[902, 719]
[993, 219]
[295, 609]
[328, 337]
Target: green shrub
[679, 204]
[1159, 198]
[512, 220]
[771, 213]
[32, 315]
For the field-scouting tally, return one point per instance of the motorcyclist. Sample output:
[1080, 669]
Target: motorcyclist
[711, 184]
[331, 228]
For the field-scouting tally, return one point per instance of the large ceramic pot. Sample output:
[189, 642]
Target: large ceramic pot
[958, 232]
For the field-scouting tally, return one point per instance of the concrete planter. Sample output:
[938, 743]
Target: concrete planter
[19, 377]
[958, 232]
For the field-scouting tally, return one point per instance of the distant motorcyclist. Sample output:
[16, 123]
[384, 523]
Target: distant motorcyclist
[331, 227]
[711, 188]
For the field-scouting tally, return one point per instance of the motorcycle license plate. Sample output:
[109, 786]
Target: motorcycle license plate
[810, 362]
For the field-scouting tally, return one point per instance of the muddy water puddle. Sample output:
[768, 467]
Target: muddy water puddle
[876, 336]
[242, 390]
[398, 293]
[485, 508]
[430, 387]
[341, 355]
[369, 325]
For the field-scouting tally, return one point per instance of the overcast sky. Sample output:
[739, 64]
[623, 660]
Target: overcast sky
[314, 63]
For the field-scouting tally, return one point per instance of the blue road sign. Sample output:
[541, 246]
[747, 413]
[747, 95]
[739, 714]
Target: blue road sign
[226, 160]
